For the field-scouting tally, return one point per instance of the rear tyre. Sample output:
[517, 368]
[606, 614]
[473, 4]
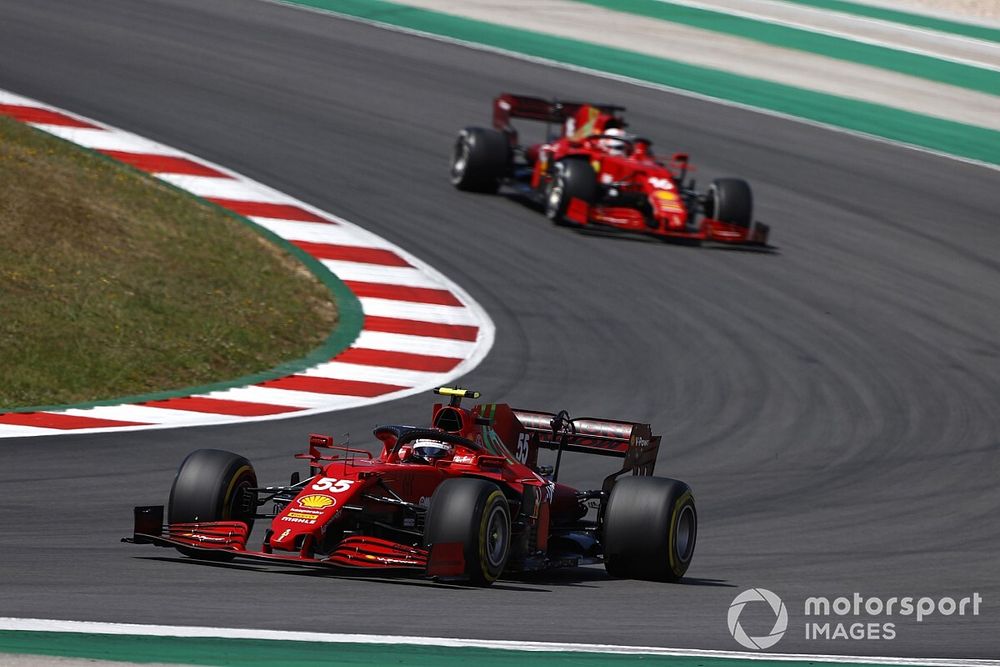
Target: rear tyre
[650, 526]
[212, 485]
[730, 200]
[475, 513]
[480, 159]
[573, 177]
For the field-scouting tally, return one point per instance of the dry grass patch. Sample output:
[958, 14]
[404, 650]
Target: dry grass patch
[113, 284]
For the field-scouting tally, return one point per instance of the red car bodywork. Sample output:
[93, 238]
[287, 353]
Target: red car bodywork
[641, 194]
[362, 512]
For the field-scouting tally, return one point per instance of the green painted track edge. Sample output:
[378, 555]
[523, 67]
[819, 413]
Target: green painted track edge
[350, 318]
[217, 651]
[960, 140]
[955, 27]
[840, 48]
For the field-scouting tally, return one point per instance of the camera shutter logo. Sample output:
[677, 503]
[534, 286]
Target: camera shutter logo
[780, 622]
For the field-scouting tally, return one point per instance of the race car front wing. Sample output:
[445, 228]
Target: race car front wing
[358, 553]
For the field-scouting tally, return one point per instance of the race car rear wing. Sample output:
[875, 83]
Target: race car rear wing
[632, 441]
[508, 106]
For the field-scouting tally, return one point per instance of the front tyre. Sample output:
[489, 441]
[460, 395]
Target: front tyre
[573, 178]
[213, 485]
[650, 527]
[480, 159]
[475, 513]
[730, 200]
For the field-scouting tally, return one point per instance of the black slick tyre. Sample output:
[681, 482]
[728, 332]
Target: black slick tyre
[572, 177]
[650, 527]
[480, 159]
[730, 200]
[475, 513]
[211, 485]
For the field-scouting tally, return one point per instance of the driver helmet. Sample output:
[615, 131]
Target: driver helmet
[612, 144]
[430, 450]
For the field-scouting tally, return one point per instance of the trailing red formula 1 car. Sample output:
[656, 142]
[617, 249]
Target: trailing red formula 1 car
[590, 171]
[462, 499]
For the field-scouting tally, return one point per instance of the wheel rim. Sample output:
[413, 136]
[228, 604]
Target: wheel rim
[497, 534]
[232, 509]
[460, 159]
[554, 199]
[236, 510]
[684, 534]
[712, 207]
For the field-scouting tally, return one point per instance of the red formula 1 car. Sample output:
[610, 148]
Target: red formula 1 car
[463, 499]
[592, 172]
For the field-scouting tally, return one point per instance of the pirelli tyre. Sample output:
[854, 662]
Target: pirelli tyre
[475, 513]
[730, 200]
[480, 159]
[650, 527]
[212, 485]
[572, 178]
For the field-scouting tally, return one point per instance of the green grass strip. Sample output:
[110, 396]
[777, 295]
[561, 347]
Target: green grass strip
[912, 64]
[250, 652]
[350, 317]
[910, 128]
[906, 18]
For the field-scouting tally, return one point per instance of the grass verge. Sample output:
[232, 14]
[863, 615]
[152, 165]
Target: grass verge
[114, 284]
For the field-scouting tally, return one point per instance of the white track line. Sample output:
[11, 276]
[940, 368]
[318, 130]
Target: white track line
[147, 415]
[388, 275]
[956, 15]
[863, 30]
[381, 374]
[285, 397]
[424, 312]
[11, 431]
[224, 188]
[102, 140]
[314, 233]
[134, 629]
[393, 342]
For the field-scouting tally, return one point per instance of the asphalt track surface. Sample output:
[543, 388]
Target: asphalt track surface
[833, 404]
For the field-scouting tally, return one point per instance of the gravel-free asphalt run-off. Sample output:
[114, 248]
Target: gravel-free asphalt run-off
[832, 404]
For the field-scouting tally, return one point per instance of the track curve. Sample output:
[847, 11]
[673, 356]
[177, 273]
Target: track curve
[833, 405]
[460, 327]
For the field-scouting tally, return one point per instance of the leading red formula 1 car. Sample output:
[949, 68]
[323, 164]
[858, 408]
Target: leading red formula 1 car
[464, 498]
[592, 172]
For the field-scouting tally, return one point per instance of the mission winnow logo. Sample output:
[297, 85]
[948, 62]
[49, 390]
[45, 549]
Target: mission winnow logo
[870, 617]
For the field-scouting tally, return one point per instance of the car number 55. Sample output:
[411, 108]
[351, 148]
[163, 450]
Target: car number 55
[523, 448]
[332, 484]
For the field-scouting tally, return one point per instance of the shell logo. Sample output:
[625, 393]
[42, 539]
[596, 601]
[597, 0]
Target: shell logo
[317, 501]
